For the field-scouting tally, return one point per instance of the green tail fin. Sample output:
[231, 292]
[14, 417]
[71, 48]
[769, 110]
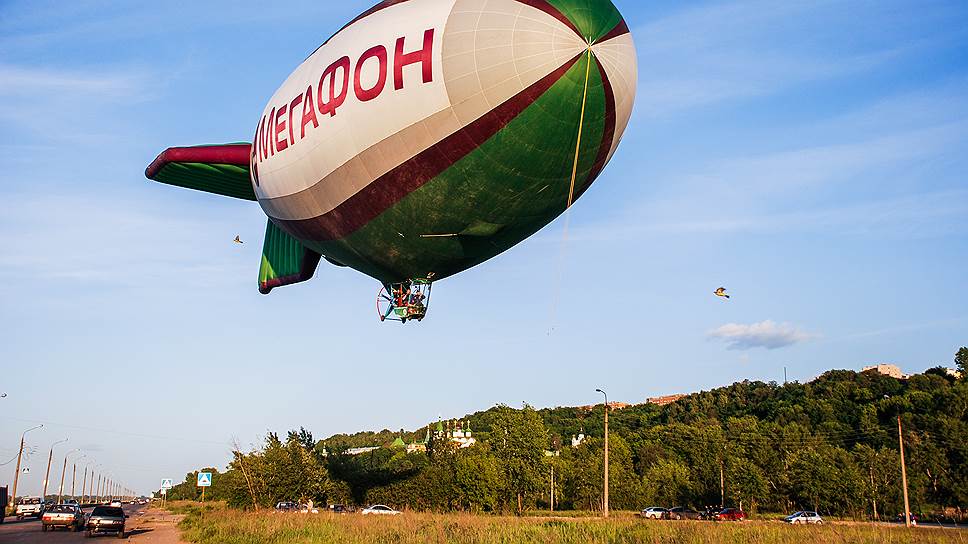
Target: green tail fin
[285, 260]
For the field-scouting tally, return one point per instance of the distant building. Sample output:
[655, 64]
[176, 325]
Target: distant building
[887, 370]
[459, 433]
[419, 447]
[577, 440]
[956, 374]
[614, 405]
[360, 451]
[663, 401]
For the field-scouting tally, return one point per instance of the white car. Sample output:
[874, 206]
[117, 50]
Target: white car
[116, 503]
[30, 507]
[799, 518]
[382, 510]
[653, 512]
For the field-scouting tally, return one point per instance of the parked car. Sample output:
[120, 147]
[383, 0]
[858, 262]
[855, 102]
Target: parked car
[287, 506]
[68, 516]
[30, 507]
[306, 509]
[106, 519]
[653, 512]
[730, 514]
[380, 509]
[340, 509]
[799, 518]
[115, 503]
[69, 501]
[681, 512]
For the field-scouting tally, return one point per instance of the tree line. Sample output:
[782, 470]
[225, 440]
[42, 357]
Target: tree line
[829, 445]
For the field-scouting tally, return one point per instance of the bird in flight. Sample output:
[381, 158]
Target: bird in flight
[721, 292]
[238, 240]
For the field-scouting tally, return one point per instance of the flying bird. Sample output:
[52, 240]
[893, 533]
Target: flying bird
[238, 240]
[721, 292]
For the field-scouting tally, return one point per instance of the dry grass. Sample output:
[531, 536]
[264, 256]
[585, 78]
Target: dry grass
[215, 524]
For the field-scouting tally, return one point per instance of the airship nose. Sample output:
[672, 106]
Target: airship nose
[494, 50]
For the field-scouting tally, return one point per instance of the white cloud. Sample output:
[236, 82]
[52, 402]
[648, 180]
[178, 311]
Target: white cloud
[765, 334]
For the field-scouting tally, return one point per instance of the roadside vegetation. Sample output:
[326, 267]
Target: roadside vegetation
[830, 445]
[216, 524]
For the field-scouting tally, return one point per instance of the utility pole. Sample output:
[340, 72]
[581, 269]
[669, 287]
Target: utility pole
[605, 502]
[83, 484]
[16, 476]
[50, 458]
[60, 494]
[552, 488]
[907, 505]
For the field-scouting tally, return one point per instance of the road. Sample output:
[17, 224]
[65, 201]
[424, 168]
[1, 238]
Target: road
[143, 525]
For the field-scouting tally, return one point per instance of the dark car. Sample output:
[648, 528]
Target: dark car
[68, 516]
[106, 519]
[3, 502]
[730, 514]
[681, 512]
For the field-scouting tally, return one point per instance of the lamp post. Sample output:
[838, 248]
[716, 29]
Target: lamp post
[16, 476]
[50, 457]
[84, 480]
[605, 502]
[74, 476]
[900, 445]
[60, 493]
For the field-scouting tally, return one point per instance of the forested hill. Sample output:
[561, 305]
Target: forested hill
[843, 405]
[829, 445]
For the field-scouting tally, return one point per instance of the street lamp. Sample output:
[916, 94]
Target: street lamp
[16, 476]
[605, 502]
[60, 493]
[74, 476]
[84, 479]
[900, 445]
[50, 458]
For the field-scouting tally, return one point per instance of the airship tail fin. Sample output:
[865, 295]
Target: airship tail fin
[219, 169]
[285, 260]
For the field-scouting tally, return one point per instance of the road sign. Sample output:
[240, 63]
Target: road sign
[166, 483]
[164, 491]
[204, 479]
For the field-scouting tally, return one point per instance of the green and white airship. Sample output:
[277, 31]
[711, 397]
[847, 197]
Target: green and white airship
[426, 137]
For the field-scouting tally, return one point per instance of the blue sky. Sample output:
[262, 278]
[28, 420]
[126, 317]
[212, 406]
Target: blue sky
[809, 156]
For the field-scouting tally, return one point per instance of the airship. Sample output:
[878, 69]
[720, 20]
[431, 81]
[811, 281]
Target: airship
[426, 137]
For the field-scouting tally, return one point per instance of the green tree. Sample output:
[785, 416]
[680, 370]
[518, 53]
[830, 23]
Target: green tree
[519, 440]
[961, 362]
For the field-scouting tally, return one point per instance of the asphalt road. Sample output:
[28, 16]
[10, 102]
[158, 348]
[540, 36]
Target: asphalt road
[28, 531]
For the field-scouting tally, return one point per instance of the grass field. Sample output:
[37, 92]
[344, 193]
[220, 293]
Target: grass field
[215, 524]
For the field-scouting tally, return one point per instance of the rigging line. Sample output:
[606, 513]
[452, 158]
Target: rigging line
[571, 191]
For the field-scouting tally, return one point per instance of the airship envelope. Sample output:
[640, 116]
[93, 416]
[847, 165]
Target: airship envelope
[427, 136]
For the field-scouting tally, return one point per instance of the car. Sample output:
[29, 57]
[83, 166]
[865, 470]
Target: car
[730, 514]
[380, 510]
[653, 512]
[799, 518]
[106, 519]
[681, 512]
[287, 506]
[69, 501]
[30, 507]
[115, 503]
[68, 516]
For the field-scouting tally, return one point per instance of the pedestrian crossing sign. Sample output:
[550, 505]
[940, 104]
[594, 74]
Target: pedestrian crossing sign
[166, 483]
[204, 479]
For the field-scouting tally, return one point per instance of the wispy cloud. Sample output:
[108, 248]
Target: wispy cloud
[765, 334]
[725, 51]
[82, 99]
